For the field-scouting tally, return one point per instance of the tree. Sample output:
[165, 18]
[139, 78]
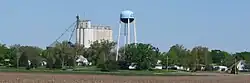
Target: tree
[190, 60]
[3, 53]
[32, 54]
[176, 55]
[243, 56]
[145, 56]
[64, 53]
[109, 65]
[164, 59]
[24, 60]
[219, 57]
[202, 57]
[49, 57]
[228, 61]
[122, 59]
[101, 51]
[102, 54]
[172, 56]
[14, 54]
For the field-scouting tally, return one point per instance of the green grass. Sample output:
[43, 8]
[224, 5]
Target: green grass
[93, 70]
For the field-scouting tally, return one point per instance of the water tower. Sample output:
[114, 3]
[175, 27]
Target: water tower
[126, 20]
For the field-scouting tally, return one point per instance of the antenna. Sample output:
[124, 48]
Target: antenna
[77, 29]
[77, 20]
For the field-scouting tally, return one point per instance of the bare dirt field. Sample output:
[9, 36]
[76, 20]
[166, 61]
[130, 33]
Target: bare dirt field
[71, 78]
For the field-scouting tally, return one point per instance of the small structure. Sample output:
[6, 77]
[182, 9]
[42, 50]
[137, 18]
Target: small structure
[43, 63]
[176, 67]
[158, 65]
[241, 65]
[236, 67]
[132, 66]
[82, 61]
[220, 68]
[29, 62]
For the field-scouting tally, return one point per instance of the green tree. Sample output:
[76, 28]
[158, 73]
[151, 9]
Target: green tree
[123, 60]
[145, 56]
[3, 53]
[219, 57]
[64, 53]
[172, 56]
[24, 60]
[49, 57]
[164, 59]
[176, 55]
[202, 57]
[81, 51]
[190, 60]
[243, 56]
[101, 51]
[14, 54]
[228, 61]
[32, 54]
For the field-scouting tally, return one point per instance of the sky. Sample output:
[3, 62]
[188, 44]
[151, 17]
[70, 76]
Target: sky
[216, 24]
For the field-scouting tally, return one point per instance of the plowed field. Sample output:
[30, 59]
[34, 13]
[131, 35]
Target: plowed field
[71, 78]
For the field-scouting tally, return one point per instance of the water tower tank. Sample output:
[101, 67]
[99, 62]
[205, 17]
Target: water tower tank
[125, 15]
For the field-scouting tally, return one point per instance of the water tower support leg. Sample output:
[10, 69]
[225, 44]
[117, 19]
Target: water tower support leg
[128, 40]
[135, 36]
[118, 42]
[125, 35]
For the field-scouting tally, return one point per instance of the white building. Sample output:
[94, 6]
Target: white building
[82, 61]
[87, 33]
[220, 68]
[241, 65]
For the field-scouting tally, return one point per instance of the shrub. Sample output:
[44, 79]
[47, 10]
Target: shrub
[123, 65]
[109, 65]
[57, 64]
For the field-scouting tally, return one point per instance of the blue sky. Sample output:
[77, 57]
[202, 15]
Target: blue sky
[217, 24]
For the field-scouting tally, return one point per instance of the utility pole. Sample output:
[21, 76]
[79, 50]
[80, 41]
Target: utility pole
[206, 61]
[18, 54]
[167, 62]
[235, 66]
[17, 64]
[77, 44]
[77, 27]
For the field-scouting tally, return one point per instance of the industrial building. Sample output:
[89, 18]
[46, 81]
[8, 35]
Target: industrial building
[86, 33]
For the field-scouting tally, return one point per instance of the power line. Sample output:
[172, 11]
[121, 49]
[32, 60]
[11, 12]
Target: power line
[67, 29]
[71, 35]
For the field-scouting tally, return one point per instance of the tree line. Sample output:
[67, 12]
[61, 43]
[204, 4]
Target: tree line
[103, 55]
